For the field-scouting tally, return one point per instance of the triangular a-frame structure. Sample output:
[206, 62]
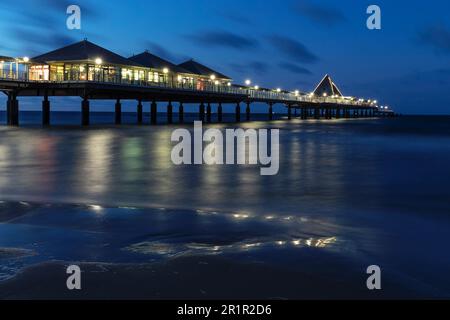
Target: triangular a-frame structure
[327, 87]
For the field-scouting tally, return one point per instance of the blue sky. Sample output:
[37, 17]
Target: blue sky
[277, 43]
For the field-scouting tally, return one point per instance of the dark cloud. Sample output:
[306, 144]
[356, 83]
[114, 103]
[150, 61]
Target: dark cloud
[437, 36]
[162, 52]
[35, 42]
[320, 14]
[251, 68]
[236, 18]
[223, 39]
[293, 49]
[37, 31]
[294, 68]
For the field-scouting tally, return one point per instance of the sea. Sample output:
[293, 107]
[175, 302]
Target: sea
[350, 194]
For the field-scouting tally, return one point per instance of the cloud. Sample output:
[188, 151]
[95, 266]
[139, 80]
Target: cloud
[41, 24]
[437, 36]
[250, 68]
[294, 68]
[223, 39]
[33, 41]
[293, 49]
[236, 18]
[320, 14]
[162, 52]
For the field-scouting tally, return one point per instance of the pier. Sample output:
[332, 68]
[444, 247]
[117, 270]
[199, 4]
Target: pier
[91, 72]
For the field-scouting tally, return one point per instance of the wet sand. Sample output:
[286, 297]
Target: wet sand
[196, 278]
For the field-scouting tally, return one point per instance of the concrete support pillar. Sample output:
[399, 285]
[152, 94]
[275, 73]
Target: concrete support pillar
[338, 113]
[270, 111]
[317, 113]
[8, 109]
[220, 112]
[118, 112]
[153, 113]
[208, 113]
[170, 113]
[14, 111]
[238, 112]
[45, 111]
[85, 109]
[181, 113]
[247, 112]
[201, 112]
[289, 112]
[139, 112]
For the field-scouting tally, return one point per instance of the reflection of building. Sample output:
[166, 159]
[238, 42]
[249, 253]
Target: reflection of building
[85, 61]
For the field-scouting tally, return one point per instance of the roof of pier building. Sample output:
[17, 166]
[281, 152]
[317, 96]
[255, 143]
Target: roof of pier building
[6, 59]
[85, 51]
[152, 61]
[327, 87]
[202, 70]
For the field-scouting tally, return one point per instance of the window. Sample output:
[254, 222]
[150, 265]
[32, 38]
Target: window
[39, 73]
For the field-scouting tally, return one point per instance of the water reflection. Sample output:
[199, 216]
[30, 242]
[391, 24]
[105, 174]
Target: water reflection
[132, 167]
[170, 250]
[94, 162]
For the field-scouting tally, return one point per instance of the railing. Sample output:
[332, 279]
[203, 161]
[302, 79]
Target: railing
[293, 98]
[254, 94]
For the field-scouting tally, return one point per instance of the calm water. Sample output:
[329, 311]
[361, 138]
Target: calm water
[364, 191]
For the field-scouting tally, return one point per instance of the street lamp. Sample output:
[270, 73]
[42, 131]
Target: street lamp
[98, 61]
[278, 90]
[256, 87]
[248, 82]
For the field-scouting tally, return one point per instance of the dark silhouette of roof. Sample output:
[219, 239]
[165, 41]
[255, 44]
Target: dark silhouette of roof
[85, 51]
[150, 60]
[5, 58]
[328, 87]
[200, 69]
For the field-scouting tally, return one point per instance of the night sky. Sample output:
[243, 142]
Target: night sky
[276, 43]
